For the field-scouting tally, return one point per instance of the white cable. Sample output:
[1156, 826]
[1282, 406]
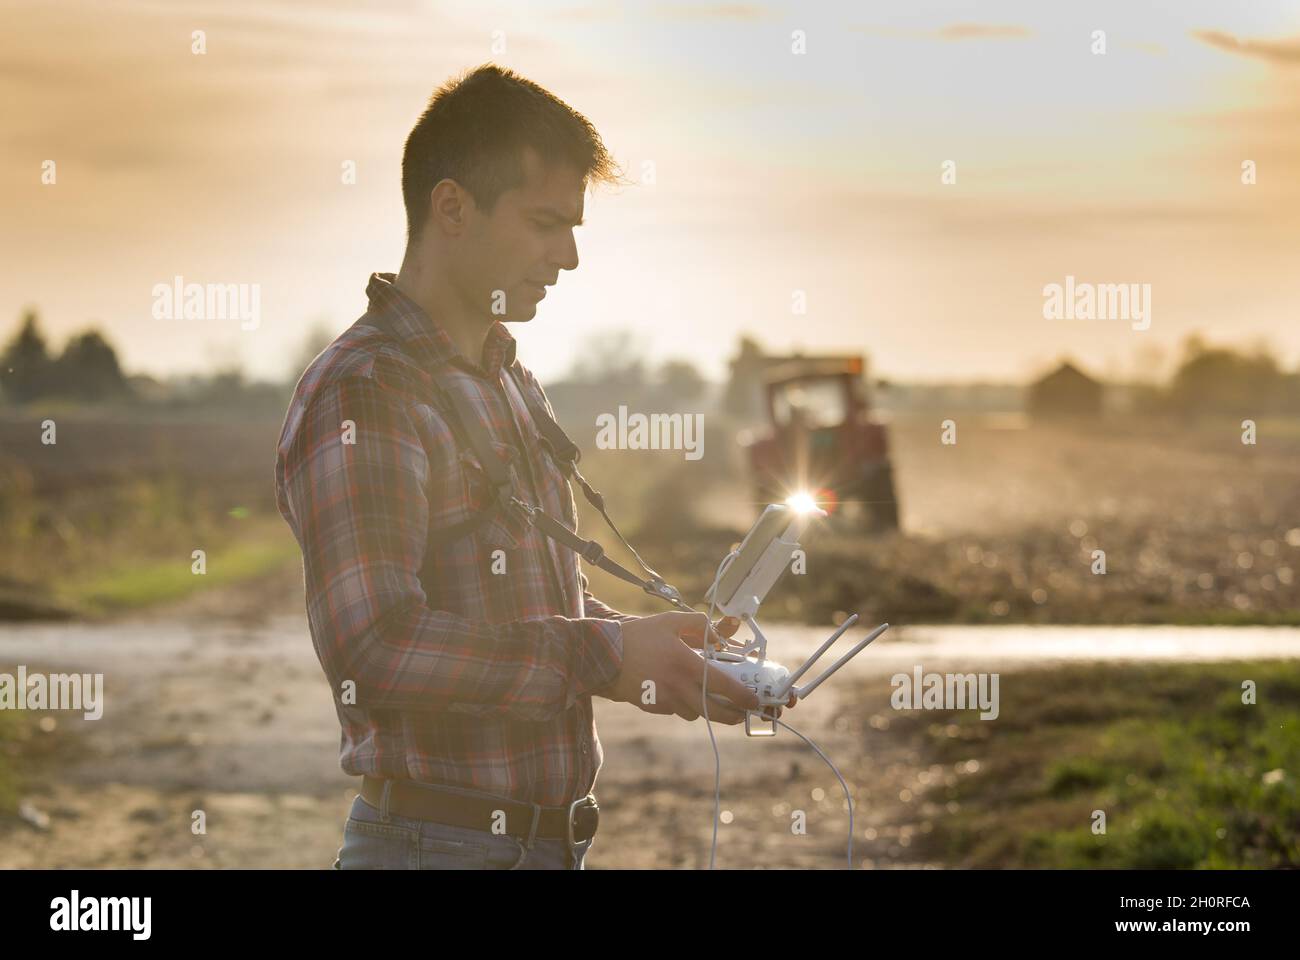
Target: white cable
[717, 757]
[847, 797]
[704, 703]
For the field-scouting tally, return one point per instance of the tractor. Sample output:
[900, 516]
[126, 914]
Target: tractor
[821, 439]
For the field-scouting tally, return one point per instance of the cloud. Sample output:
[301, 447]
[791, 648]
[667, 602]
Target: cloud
[953, 31]
[1274, 51]
[715, 11]
[982, 31]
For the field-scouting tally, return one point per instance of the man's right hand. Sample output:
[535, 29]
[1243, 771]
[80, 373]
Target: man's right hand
[658, 649]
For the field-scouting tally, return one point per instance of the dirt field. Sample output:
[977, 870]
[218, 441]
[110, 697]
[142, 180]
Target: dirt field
[218, 703]
[1005, 525]
[221, 707]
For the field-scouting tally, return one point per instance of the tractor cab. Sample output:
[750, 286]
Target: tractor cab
[821, 437]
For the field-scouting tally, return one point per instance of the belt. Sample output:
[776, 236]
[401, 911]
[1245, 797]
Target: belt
[575, 823]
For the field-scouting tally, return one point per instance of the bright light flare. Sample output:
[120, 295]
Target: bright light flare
[802, 502]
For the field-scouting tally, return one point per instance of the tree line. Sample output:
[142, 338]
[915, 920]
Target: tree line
[1208, 380]
[86, 369]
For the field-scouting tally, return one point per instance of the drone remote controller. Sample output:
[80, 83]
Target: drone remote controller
[773, 682]
[740, 589]
[765, 677]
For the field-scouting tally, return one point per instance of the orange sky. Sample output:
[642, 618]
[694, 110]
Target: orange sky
[774, 172]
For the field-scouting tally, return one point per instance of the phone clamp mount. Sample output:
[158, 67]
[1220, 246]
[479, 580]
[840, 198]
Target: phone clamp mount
[739, 590]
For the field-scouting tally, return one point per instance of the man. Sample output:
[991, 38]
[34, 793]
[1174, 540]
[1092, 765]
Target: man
[463, 666]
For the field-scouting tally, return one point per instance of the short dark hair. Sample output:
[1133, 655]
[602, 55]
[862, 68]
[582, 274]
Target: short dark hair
[474, 131]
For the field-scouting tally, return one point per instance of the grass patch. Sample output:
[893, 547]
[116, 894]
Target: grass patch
[92, 532]
[1187, 775]
[266, 548]
[12, 736]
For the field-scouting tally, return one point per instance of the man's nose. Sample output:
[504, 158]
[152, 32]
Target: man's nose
[565, 256]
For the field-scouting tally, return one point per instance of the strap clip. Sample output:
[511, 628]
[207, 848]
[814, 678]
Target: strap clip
[656, 587]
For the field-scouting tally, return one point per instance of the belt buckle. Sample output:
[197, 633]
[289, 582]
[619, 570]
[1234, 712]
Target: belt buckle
[588, 800]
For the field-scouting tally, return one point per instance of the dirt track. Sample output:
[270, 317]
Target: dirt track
[221, 707]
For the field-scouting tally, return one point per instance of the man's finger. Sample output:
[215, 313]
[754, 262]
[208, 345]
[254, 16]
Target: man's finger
[691, 628]
[727, 626]
[721, 711]
[729, 687]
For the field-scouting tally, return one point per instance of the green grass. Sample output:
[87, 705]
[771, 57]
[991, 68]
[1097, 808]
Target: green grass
[124, 541]
[29, 753]
[265, 549]
[11, 736]
[1187, 775]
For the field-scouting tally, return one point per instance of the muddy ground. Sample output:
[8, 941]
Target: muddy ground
[220, 706]
[218, 703]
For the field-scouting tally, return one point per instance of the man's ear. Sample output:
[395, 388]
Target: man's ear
[450, 207]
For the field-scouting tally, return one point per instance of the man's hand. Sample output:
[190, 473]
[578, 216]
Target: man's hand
[726, 628]
[657, 649]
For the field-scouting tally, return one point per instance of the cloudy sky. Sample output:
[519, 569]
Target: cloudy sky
[774, 172]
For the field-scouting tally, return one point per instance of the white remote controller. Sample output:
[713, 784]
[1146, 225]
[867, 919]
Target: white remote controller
[767, 678]
[738, 590]
[773, 683]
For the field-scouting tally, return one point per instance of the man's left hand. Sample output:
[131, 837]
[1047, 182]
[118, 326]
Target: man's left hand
[727, 627]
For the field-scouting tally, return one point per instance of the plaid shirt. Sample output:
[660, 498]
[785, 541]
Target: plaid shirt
[469, 663]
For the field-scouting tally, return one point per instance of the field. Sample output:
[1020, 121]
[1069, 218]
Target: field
[108, 517]
[232, 717]
[1002, 526]
[225, 709]
[1187, 774]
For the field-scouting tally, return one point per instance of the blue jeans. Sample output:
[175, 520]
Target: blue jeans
[373, 842]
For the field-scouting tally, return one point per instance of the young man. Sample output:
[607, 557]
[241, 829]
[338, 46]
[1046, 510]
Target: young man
[463, 662]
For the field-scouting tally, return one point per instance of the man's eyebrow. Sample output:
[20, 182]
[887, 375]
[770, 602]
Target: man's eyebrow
[557, 215]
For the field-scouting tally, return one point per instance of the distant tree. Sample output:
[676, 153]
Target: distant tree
[225, 387]
[610, 357]
[25, 365]
[1223, 381]
[680, 383]
[88, 369]
[744, 390]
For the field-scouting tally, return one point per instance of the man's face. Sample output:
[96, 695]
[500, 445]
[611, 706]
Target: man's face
[512, 254]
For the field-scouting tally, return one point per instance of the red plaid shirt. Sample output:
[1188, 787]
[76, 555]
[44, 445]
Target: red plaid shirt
[469, 663]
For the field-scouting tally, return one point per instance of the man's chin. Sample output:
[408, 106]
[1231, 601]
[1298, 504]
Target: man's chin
[523, 316]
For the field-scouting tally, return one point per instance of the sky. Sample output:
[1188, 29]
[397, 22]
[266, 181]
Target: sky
[797, 197]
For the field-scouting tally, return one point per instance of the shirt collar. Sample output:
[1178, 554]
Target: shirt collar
[426, 339]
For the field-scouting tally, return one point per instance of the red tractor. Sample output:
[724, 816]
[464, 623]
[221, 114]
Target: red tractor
[822, 439]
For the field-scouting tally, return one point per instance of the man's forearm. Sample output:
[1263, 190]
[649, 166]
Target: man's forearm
[593, 607]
